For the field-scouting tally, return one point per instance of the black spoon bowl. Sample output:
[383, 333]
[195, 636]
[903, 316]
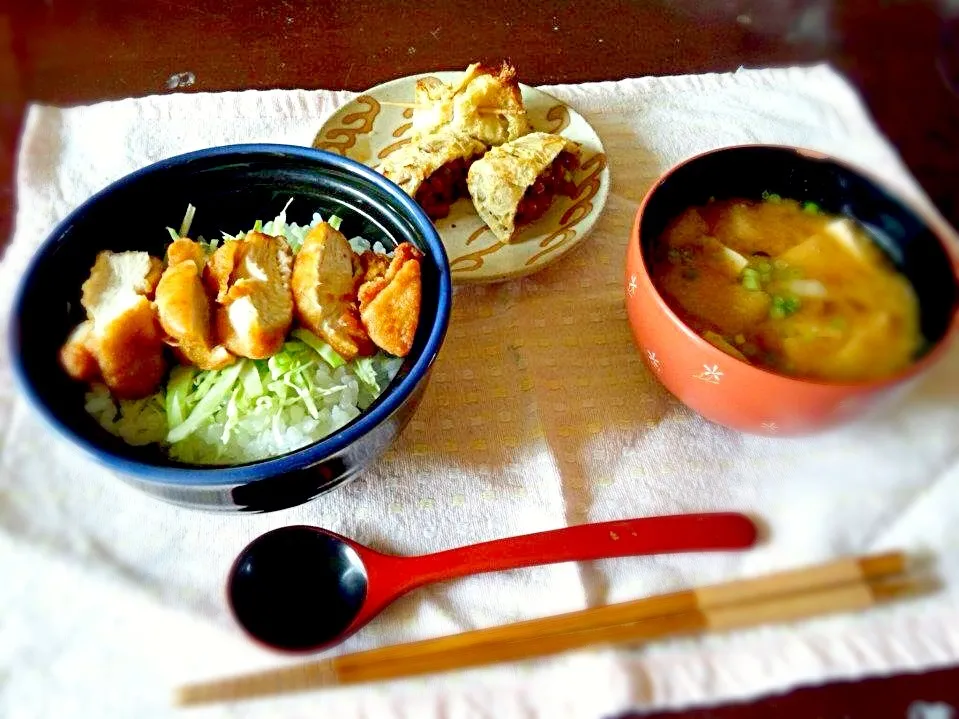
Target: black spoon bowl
[297, 588]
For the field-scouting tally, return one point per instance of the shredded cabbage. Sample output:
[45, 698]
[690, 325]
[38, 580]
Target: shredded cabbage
[252, 409]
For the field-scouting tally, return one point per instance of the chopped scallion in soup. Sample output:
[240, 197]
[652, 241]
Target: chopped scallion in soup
[784, 286]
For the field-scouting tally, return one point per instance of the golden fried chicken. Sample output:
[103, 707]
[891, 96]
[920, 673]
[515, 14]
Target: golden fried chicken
[185, 249]
[251, 280]
[219, 269]
[76, 357]
[368, 266]
[325, 294]
[185, 309]
[123, 336]
[129, 351]
[390, 305]
[114, 277]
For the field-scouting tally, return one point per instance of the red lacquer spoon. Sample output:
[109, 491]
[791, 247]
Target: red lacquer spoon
[303, 588]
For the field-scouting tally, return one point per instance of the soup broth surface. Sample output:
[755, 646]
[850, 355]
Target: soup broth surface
[786, 287]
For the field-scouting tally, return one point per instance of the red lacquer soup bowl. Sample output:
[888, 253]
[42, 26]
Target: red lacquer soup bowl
[735, 393]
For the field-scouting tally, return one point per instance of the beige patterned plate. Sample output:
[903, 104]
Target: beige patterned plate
[367, 131]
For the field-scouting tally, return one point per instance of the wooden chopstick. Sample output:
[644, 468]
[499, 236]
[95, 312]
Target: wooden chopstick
[844, 585]
[841, 598]
[728, 593]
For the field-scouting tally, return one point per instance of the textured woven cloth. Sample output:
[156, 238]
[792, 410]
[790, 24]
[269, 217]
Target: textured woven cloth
[539, 414]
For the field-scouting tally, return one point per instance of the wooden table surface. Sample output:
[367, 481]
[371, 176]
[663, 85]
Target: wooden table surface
[902, 54]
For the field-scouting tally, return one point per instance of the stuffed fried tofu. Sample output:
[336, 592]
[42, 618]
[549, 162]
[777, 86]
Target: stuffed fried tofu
[485, 104]
[433, 169]
[514, 184]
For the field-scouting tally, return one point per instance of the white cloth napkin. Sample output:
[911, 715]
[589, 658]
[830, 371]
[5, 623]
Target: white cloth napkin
[539, 415]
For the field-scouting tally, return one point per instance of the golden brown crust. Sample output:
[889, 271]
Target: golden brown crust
[251, 280]
[121, 341]
[390, 305]
[129, 351]
[153, 277]
[185, 249]
[185, 312]
[323, 289]
[76, 358]
[368, 266]
[219, 269]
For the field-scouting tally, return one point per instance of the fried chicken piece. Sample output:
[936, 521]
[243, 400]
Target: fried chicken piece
[76, 357]
[368, 266]
[219, 269]
[129, 351]
[115, 276]
[251, 280]
[390, 305]
[185, 249]
[124, 338]
[185, 309]
[325, 294]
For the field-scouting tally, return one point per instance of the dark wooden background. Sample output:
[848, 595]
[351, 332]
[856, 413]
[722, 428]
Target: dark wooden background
[903, 55]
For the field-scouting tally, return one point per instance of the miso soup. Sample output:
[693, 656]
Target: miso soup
[787, 287]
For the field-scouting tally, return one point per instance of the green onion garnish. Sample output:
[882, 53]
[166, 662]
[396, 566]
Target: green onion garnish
[784, 306]
[751, 280]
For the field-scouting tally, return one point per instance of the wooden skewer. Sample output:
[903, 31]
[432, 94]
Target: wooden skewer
[843, 585]
[414, 105]
[481, 110]
[468, 76]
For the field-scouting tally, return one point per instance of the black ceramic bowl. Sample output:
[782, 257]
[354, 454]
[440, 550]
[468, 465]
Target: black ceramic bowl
[232, 187]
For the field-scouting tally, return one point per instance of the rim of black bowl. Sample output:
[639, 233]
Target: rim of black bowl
[950, 250]
[213, 475]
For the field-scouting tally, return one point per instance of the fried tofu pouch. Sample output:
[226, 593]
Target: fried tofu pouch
[250, 280]
[121, 341]
[411, 165]
[498, 180]
[186, 310]
[486, 104]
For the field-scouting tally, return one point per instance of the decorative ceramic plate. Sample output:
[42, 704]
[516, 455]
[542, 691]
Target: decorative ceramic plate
[367, 130]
